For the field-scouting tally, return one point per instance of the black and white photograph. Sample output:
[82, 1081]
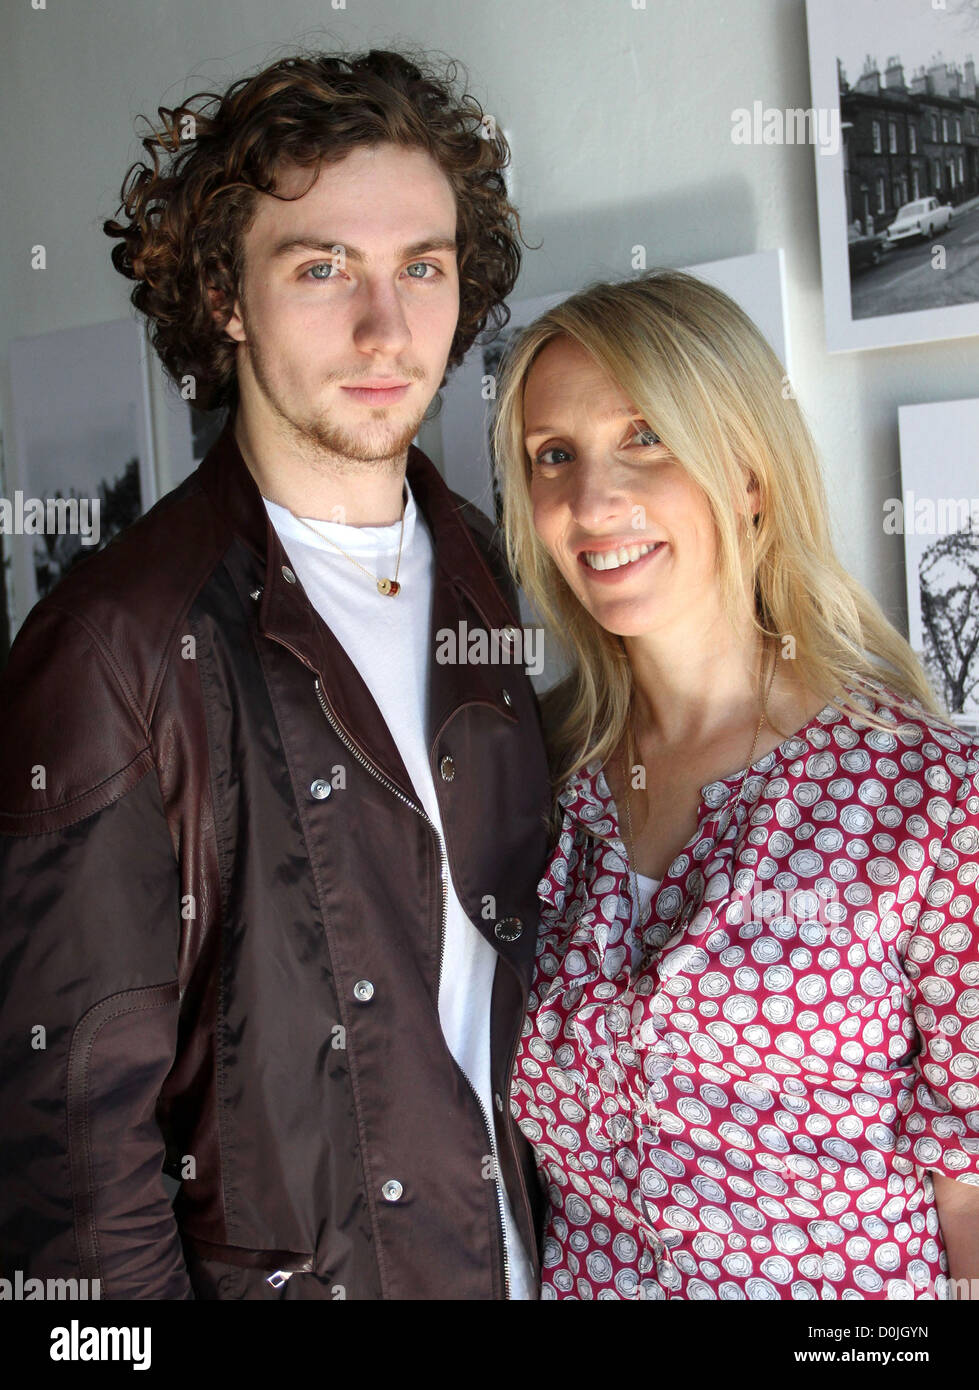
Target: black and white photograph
[899, 200]
[182, 433]
[938, 515]
[81, 444]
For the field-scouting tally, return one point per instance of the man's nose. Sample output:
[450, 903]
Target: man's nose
[381, 324]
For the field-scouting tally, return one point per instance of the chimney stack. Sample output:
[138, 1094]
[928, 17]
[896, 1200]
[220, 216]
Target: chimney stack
[869, 80]
[894, 76]
[938, 76]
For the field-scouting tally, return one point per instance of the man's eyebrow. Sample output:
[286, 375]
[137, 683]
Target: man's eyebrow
[304, 242]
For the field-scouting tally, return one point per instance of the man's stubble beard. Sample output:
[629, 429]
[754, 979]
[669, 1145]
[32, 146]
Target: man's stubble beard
[379, 445]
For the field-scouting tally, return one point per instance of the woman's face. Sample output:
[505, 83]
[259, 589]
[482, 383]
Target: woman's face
[629, 530]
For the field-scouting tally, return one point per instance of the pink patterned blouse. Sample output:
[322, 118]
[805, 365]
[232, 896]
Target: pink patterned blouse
[744, 1103]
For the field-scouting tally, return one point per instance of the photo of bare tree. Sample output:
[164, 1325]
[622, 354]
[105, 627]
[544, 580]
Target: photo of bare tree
[938, 517]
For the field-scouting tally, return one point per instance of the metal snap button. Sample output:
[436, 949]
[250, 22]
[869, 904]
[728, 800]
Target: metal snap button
[508, 928]
[392, 1190]
[447, 768]
[363, 990]
[288, 575]
[320, 789]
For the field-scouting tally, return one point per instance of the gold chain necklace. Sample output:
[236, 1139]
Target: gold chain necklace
[388, 587]
[628, 812]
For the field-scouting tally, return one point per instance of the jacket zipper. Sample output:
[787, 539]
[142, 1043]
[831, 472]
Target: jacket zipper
[508, 1124]
[443, 857]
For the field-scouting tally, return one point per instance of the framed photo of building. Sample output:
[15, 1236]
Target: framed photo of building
[938, 515]
[898, 194]
[80, 464]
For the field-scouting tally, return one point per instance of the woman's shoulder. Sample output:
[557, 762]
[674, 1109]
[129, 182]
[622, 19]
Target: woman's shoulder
[923, 762]
[912, 726]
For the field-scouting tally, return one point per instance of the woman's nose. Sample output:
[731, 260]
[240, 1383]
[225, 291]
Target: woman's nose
[598, 494]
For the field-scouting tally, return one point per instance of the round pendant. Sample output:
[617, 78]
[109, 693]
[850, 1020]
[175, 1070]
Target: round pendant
[388, 586]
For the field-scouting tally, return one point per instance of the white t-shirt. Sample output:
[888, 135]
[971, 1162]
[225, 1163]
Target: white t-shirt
[389, 640]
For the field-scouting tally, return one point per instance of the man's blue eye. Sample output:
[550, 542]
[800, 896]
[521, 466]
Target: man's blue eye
[417, 270]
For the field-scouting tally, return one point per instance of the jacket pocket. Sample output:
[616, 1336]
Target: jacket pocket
[233, 1272]
[289, 1261]
[121, 1050]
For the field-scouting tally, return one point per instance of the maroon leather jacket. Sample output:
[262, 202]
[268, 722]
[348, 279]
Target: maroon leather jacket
[208, 840]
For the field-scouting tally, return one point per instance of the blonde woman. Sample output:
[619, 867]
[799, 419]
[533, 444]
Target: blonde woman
[750, 1063]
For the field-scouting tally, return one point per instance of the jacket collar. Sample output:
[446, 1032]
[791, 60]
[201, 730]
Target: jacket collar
[462, 582]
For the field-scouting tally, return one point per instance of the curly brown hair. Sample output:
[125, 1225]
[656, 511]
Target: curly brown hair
[181, 239]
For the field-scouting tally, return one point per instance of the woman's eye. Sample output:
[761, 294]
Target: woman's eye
[647, 438]
[542, 456]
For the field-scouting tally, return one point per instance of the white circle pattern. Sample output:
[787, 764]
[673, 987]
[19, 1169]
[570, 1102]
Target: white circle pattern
[753, 1114]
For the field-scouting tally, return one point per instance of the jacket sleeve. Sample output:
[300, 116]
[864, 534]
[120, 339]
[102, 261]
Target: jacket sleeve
[89, 995]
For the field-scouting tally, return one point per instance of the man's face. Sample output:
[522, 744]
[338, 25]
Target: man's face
[350, 287]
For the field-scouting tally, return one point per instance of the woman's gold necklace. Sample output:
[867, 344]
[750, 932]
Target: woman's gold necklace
[389, 587]
[734, 806]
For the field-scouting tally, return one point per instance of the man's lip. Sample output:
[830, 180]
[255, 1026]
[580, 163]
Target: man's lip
[392, 390]
[379, 383]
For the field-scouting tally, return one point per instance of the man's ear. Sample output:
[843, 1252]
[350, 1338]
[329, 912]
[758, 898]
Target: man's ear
[234, 327]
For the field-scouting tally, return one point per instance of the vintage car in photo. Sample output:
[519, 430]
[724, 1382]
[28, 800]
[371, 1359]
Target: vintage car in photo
[925, 218]
[865, 250]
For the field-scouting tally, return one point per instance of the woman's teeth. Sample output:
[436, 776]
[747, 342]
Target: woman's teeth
[614, 559]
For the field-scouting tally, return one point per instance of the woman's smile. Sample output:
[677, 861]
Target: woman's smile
[614, 566]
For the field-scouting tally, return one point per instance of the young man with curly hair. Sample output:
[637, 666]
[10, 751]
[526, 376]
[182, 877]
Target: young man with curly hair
[268, 874]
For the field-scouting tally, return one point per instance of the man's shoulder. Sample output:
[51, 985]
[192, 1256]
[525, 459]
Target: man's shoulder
[130, 593]
[487, 531]
[148, 568]
[489, 539]
[85, 668]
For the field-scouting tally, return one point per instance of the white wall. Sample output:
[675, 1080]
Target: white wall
[620, 120]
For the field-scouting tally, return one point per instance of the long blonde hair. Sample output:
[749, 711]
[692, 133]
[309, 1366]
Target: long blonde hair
[705, 380]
